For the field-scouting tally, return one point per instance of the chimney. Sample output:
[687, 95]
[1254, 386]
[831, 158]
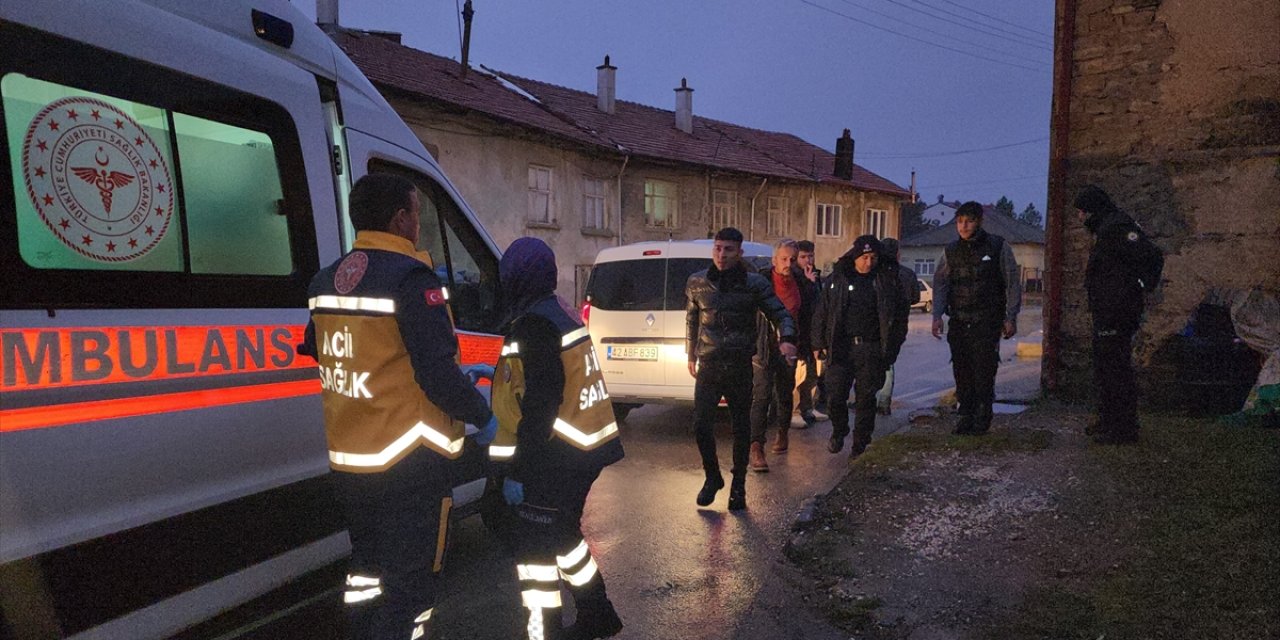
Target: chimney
[915, 197]
[605, 76]
[940, 197]
[844, 157]
[684, 107]
[327, 12]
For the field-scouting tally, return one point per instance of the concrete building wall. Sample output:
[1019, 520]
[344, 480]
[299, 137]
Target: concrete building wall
[1175, 110]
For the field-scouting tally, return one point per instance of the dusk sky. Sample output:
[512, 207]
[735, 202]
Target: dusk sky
[961, 92]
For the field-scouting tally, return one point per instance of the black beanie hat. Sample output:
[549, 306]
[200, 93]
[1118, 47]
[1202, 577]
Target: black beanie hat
[1092, 199]
[866, 244]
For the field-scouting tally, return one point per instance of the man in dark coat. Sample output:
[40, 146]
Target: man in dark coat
[720, 338]
[910, 289]
[1123, 265]
[858, 327]
[978, 284]
[812, 383]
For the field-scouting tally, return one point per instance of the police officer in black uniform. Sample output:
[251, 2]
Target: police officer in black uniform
[979, 286]
[1123, 265]
[395, 402]
[858, 327]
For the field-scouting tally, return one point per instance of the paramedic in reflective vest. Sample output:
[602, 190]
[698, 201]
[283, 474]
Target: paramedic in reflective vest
[978, 285]
[394, 402]
[556, 433]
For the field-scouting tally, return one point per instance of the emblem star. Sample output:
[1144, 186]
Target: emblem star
[39, 172]
[65, 224]
[86, 240]
[119, 123]
[160, 188]
[154, 164]
[150, 230]
[138, 141]
[133, 244]
[48, 199]
[111, 246]
[53, 125]
[73, 115]
[159, 211]
[95, 115]
[40, 144]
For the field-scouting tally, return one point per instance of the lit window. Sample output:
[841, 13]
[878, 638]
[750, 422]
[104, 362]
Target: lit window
[540, 194]
[925, 267]
[829, 216]
[661, 203]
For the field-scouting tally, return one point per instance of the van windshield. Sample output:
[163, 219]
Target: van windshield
[638, 285]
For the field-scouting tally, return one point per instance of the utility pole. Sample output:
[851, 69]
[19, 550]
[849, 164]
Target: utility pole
[467, 12]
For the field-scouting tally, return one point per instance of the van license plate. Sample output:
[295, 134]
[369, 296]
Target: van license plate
[628, 352]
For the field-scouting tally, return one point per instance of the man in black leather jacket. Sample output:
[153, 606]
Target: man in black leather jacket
[1123, 265]
[720, 338]
[860, 324]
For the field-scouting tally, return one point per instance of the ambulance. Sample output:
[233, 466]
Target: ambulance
[174, 174]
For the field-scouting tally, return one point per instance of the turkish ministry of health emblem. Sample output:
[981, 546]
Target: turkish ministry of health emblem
[97, 179]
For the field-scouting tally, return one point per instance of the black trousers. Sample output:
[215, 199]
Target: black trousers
[771, 388]
[732, 380]
[1113, 377]
[861, 370]
[975, 355]
[551, 551]
[398, 521]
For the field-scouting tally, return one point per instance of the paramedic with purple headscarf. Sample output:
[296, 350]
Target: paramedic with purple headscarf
[556, 432]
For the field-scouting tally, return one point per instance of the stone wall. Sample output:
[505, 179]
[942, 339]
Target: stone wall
[1174, 110]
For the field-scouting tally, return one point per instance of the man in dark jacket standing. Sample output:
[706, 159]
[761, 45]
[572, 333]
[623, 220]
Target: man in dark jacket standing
[720, 338]
[979, 286]
[860, 325]
[812, 383]
[773, 376]
[909, 287]
[1123, 265]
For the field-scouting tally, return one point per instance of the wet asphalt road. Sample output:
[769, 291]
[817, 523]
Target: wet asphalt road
[675, 570]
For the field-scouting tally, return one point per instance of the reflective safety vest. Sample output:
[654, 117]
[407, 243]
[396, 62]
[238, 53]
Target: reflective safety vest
[374, 410]
[585, 418]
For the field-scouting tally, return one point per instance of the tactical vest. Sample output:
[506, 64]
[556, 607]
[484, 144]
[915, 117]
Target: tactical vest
[585, 419]
[977, 285]
[374, 410]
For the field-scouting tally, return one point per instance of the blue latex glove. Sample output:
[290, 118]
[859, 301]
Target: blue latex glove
[478, 371]
[513, 491]
[488, 432]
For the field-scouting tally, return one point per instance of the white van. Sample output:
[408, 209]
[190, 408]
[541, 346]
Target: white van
[635, 311]
[174, 175]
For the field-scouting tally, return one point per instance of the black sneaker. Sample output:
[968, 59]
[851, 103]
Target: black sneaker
[707, 494]
[835, 444]
[809, 419]
[738, 496]
[592, 625]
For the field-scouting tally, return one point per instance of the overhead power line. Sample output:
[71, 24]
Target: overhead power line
[1016, 26]
[938, 33]
[1041, 69]
[943, 154]
[1041, 176]
[981, 28]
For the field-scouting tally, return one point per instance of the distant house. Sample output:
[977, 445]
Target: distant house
[923, 251]
[584, 171]
[940, 212]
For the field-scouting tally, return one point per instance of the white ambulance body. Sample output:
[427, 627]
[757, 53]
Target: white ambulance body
[175, 174]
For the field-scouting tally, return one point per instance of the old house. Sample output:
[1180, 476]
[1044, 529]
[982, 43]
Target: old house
[1174, 108]
[584, 170]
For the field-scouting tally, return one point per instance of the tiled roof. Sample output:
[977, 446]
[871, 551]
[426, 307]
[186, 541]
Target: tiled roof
[1011, 230]
[633, 128]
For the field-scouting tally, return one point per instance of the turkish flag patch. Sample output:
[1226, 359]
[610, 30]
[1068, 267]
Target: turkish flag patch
[434, 297]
